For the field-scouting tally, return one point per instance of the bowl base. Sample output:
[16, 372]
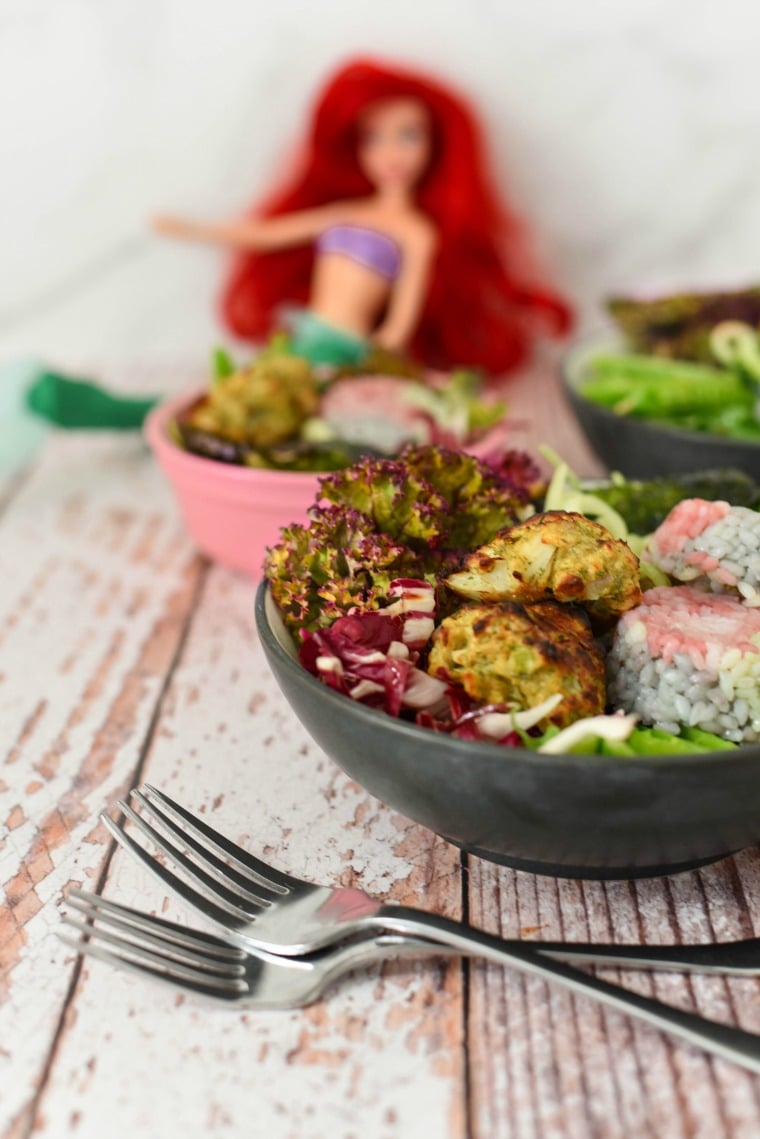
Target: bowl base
[600, 873]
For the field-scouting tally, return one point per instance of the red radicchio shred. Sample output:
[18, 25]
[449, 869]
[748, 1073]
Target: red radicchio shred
[511, 739]
[411, 590]
[465, 730]
[351, 639]
[474, 714]
[459, 703]
[334, 678]
[428, 720]
[360, 643]
[462, 720]
[401, 585]
[396, 673]
[357, 648]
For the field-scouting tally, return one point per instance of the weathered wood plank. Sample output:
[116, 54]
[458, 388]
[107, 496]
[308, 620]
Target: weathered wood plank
[546, 1064]
[121, 655]
[382, 1055]
[98, 584]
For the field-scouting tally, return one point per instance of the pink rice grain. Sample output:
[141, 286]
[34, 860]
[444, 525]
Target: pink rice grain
[712, 544]
[686, 656]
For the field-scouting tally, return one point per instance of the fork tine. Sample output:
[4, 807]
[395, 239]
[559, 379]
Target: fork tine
[216, 883]
[251, 885]
[226, 915]
[128, 956]
[156, 949]
[217, 955]
[150, 941]
[262, 872]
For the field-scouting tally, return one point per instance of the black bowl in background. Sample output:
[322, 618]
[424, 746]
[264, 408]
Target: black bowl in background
[639, 448]
[569, 815]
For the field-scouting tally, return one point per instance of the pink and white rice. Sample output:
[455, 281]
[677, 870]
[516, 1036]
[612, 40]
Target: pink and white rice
[712, 544]
[686, 656]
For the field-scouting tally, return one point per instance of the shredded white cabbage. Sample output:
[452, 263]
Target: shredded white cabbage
[566, 492]
[496, 725]
[616, 728]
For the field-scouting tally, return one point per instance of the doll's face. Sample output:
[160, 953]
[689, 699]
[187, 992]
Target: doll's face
[394, 143]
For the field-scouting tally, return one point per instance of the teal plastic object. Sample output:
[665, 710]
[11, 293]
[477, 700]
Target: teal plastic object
[33, 400]
[84, 405]
[22, 433]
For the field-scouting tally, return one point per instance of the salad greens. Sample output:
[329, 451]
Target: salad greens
[385, 519]
[279, 412]
[679, 325]
[631, 507]
[361, 588]
[720, 397]
[457, 407]
[620, 735]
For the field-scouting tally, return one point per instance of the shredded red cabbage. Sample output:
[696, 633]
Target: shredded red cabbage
[459, 717]
[371, 655]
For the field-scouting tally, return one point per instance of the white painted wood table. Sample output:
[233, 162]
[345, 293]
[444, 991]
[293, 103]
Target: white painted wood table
[125, 656]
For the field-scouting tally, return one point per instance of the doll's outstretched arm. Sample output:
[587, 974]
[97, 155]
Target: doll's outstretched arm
[251, 233]
[409, 294]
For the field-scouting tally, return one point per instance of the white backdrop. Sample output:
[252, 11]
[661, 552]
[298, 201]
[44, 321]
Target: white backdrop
[626, 131]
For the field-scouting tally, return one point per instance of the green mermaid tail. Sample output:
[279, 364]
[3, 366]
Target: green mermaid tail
[33, 400]
[83, 405]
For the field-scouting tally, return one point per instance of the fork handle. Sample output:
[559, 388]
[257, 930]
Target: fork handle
[741, 957]
[722, 1039]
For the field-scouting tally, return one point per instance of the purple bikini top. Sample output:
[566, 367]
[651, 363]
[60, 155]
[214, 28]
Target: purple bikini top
[369, 247]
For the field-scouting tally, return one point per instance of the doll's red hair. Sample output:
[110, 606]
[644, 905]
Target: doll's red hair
[479, 312]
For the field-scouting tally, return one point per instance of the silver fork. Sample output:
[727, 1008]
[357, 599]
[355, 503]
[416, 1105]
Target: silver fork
[210, 966]
[264, 908]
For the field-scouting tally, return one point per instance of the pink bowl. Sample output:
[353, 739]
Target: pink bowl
[232, 513]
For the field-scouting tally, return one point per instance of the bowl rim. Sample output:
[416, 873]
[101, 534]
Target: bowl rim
[158, 439]
[598, 340]
[471, 750]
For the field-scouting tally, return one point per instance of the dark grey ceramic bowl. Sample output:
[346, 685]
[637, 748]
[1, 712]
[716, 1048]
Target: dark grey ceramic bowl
[640, 449]
[569, 815]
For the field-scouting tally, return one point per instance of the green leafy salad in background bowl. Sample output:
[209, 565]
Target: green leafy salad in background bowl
[279, 412]
[674, 386]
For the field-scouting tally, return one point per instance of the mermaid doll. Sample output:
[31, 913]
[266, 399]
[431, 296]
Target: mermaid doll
[390, 233]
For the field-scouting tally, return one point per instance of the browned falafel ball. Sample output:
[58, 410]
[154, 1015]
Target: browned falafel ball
[521, 655]
[559, 555]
